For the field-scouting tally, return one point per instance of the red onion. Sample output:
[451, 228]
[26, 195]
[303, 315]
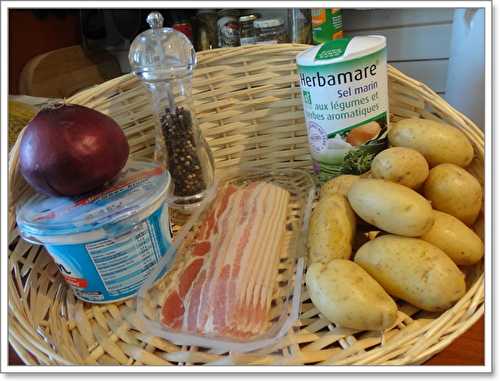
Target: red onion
[68, 150]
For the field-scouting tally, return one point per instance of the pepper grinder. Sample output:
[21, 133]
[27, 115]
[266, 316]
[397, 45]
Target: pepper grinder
[163, 59]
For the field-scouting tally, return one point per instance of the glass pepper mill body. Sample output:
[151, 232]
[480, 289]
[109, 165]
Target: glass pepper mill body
[163, 59]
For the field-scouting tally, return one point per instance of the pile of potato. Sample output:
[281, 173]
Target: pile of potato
[418, 203]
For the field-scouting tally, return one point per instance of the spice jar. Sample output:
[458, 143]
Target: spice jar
[247, 30]
[207, 29]
[299, 26]
[228, 28]
[184, 26]
[270, 31]
[163, 59]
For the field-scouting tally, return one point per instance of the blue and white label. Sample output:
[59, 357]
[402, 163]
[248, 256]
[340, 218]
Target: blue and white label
[105, 243]
[115, 268]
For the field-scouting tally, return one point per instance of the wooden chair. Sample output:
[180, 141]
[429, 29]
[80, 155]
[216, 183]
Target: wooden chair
[63, 72]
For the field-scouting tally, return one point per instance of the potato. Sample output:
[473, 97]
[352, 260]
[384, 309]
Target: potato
[457, 240]
[347, 296]
[453, 190]
[438, 142]
[340, 184]
[401, 165]
[391, 207]
[331, 229]
[413, 270]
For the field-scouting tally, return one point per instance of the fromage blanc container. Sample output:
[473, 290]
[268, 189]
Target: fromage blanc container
[105, 244]
[344, 93]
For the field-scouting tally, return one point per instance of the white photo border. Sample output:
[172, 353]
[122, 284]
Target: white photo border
[487, 5]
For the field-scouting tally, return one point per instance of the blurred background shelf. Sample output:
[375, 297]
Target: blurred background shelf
[441, 47]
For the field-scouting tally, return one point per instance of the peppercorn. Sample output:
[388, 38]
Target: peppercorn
[182, 159]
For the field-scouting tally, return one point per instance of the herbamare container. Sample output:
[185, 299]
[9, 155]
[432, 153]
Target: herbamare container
[344, 93]
[105, 244]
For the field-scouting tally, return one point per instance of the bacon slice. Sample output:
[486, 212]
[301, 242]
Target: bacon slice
[201, 249]
[225, 288]
[189, 275]
[173, 311]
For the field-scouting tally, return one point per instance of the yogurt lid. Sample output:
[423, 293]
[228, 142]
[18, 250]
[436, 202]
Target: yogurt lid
[340, 50]
[139, 185]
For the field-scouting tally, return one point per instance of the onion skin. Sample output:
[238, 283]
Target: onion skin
[68, 150]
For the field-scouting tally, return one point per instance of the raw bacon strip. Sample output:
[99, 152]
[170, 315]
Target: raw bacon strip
[258, 280]
[226, 286]
[272, 268]
[244, 243]
[189, 323]
[252, 310]
[201, 249]
[245, 309]
[220, 281]
[221, 301]
[261, 279]
[173, 311]
[224, 233]
[189, 275]
[220, 205]
[221, 202]
[253, 264]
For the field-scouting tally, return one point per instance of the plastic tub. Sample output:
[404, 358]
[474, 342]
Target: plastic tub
[105, 244]
[287, 284]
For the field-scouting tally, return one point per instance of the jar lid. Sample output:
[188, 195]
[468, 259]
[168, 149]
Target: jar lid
[206, 11]
[248, 18]
[139, 188]
[161, 53]
[228, 12]
[342, 49]
[267, 23]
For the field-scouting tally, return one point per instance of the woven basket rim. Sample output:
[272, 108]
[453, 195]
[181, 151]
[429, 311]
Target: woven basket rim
[427, 340]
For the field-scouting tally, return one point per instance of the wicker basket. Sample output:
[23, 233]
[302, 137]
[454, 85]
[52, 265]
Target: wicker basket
[249, 106]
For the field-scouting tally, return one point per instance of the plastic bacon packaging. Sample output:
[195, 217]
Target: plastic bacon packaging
[236, 279]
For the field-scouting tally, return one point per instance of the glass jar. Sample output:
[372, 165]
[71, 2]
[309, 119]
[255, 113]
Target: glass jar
[299, 26]
[206, 37]
[163, 59]
[184, 26]
[270, 31]
[247, 30]
[228, 28]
